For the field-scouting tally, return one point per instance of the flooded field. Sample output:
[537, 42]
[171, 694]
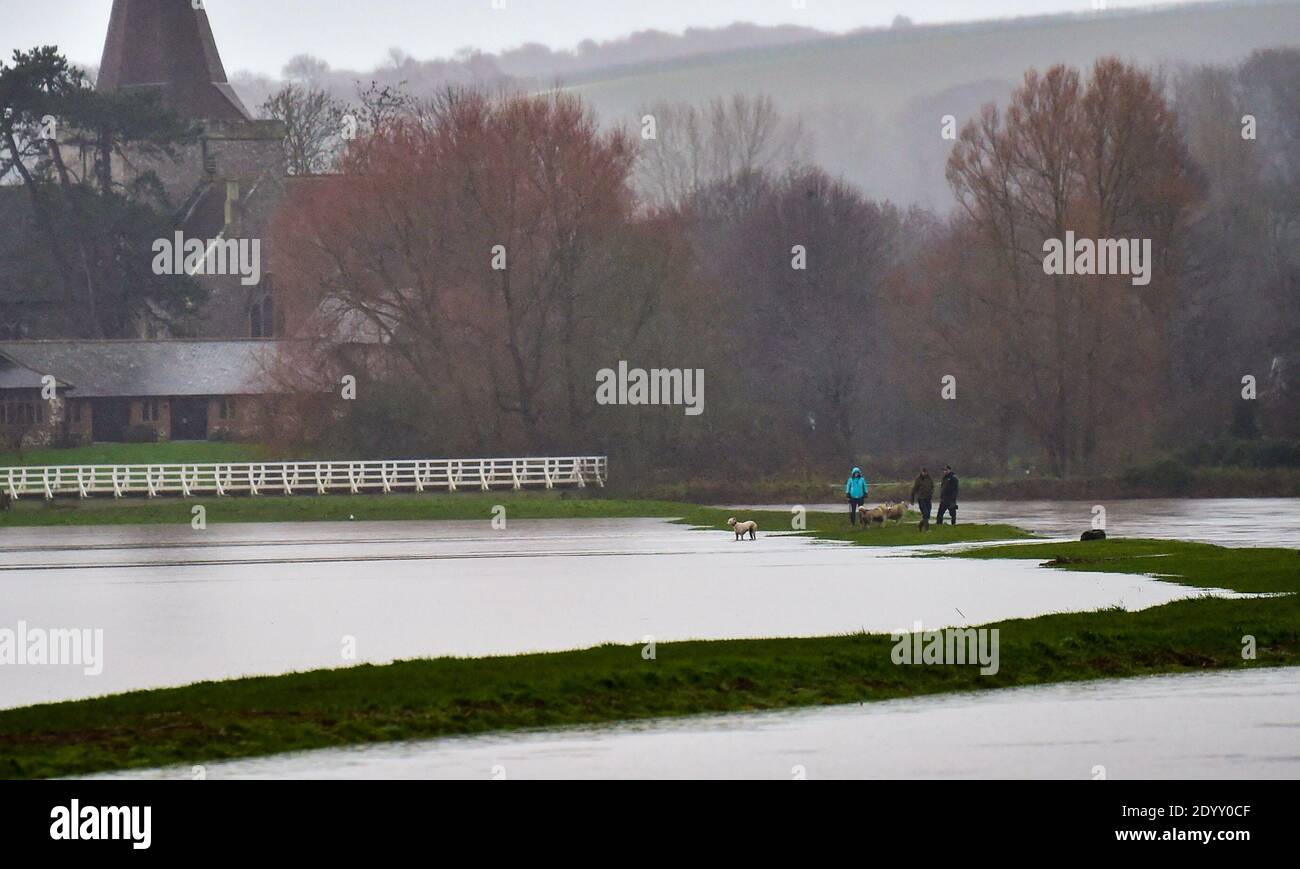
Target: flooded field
[178, 606]
[1222, 521]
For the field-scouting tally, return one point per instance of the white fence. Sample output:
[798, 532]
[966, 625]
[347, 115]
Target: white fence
[302, 478]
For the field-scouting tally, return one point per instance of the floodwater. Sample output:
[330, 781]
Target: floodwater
[177, 606]
[1222, 521]
[1222, 725]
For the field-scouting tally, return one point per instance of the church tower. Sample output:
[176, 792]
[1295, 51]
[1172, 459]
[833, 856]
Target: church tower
[167, 45]
[229, 183]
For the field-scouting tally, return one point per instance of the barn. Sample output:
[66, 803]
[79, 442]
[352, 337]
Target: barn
[75, 392]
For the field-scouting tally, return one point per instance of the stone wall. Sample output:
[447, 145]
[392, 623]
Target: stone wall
[243, 419]
[27, 420]
[162, 425]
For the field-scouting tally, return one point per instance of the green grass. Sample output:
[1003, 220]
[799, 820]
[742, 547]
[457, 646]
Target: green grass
[444, 697]
[329, 508]
[1197, 564]
[567, 504]
[172, 453]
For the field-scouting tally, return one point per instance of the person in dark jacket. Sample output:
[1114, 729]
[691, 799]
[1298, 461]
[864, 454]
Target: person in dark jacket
[856, 491]
[922, 495]
[948, 494]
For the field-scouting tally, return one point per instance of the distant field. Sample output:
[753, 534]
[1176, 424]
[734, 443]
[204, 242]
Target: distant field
[873, 101]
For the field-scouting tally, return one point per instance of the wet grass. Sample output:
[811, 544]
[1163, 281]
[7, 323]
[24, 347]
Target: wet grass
[566, 504]
[1196, 564]
[332, 508]
[445, 697]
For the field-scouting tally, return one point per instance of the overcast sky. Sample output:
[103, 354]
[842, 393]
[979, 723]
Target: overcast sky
[260, 35]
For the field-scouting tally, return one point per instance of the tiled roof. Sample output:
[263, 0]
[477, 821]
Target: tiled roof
[103, 369]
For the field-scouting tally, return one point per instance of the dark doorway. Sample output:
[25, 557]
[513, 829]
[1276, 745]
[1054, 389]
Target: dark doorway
[110, 418]
[189, 419]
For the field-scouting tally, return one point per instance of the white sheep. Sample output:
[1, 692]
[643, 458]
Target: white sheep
[743, 528]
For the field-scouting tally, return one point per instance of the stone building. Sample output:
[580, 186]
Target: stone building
[230, 182]
[225, 186]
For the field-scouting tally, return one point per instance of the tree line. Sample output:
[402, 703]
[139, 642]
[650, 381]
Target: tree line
[483, 256]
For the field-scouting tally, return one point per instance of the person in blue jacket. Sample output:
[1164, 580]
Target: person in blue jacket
[856, 491]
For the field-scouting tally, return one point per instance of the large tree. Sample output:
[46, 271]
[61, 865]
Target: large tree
[488, 242]
[1080, 358]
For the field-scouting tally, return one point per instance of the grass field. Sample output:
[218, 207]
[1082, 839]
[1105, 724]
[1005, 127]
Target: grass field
[172, 453]
[567, 504]
[431, 698]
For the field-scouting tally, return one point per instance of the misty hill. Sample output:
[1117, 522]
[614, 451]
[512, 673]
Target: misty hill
[873, 100]
[542, 63]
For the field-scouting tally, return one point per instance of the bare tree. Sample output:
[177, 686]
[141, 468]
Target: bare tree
[1071, 353]
[476, 242]
[314, 127]
[695, 146]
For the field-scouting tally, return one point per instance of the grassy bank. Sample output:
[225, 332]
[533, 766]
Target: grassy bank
[331, 508]
[431, 698]
[1195, 564]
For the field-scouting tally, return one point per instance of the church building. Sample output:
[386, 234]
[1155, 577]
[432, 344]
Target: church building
[228, 184]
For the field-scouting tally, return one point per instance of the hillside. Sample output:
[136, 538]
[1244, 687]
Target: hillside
[872, 100]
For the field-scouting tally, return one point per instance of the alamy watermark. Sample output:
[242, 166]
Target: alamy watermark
[954, 646]
[658, 386]
[75, 822]
[55, 647]
[217, 256]
[1104, 256]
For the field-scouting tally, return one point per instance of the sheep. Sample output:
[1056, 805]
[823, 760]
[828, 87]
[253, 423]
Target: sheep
[743, 528]
[871, 515]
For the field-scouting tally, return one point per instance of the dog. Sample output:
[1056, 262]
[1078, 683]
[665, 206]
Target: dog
[896, 511]
[743, 528]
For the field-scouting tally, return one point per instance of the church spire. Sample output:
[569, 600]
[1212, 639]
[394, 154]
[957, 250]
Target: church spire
[167, 45]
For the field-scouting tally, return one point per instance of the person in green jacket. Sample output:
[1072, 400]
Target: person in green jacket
[922, 496]
[856, 491]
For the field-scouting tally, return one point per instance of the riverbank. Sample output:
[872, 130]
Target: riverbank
[569, 504]
[430, 698]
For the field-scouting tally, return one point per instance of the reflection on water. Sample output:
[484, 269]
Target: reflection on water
[1222, 725]
[178, 606]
